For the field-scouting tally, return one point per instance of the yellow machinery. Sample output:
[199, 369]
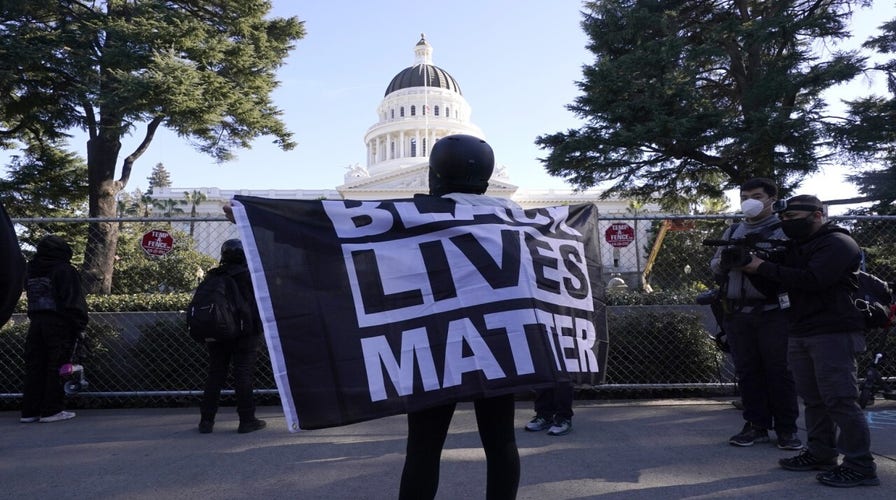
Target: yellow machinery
[666, 226]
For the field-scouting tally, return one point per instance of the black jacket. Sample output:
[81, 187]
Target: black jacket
[240, 273]
[53, 285]
[12, 267]
[819, 276]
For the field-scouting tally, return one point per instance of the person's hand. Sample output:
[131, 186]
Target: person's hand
[753, 266]
[228, 211]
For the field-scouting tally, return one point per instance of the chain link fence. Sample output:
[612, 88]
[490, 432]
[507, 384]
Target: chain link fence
[654, 266]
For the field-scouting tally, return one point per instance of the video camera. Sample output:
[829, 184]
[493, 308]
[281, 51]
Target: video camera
[738, 252]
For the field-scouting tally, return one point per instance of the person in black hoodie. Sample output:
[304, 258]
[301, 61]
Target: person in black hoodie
[242, 351]
[12, 267]
[58, 313]
[825, 330]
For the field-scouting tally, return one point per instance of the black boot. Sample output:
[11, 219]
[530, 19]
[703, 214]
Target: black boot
[251, 425]
[206, 423]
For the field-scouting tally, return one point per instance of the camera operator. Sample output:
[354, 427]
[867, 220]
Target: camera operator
[755, 324]
[825, 330]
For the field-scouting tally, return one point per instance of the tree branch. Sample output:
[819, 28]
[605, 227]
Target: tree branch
[89, 118]
[13, 131]
[144, 145]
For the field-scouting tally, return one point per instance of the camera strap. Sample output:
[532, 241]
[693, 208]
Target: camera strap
[723, 284]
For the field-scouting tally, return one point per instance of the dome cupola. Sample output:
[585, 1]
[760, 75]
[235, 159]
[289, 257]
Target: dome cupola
[423, 73]
[422, 104]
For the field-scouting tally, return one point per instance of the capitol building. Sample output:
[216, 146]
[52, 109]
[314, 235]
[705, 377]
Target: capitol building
[421, 104]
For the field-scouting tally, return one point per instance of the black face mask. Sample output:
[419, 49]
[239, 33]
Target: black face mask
[798, 229]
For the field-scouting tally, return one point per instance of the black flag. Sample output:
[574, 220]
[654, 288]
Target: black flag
[374, 308]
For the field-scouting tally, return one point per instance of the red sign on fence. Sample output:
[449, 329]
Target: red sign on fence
[157, 242]
[620, 234]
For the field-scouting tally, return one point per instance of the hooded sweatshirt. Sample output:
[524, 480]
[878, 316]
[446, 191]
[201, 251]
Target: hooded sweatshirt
[53, 285]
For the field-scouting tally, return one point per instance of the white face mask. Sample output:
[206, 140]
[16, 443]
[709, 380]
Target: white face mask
[751, 208]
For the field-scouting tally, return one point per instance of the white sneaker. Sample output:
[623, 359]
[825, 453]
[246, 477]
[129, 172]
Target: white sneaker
[561, 427]
[28, 420]
[538, 424]
[63, 415]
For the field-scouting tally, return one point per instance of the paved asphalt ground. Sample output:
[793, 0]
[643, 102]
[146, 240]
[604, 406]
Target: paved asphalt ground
[659, 449]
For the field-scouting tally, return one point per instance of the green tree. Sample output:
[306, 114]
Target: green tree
[168, 206]
[46, 181]
[145, 202]
[683, 90]
[177, 271]
[203, 68]
[158, 178]
[194, 199]
[869, 132]
[134, 204]
[682, 261]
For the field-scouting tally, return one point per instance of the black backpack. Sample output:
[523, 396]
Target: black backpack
[874, 299]
[215, 311]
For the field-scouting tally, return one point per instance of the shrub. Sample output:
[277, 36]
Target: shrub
[167, 359]
[628, 297]
[648, 347]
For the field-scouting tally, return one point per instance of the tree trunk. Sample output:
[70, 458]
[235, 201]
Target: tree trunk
[102, 237]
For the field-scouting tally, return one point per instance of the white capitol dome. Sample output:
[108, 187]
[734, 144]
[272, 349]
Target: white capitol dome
[422, 104]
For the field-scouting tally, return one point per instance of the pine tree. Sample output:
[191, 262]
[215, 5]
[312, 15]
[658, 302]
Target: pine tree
[158, 178]
[688, 98]
[202, 68]
[869, 132]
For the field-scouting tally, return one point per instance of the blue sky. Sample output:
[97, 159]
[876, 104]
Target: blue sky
[516, 61]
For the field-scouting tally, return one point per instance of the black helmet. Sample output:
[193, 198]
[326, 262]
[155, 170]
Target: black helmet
[460, 164]
[232, 251]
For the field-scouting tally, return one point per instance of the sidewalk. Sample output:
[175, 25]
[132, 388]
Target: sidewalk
[659, 449]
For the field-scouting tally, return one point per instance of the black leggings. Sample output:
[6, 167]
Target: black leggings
[427, 430]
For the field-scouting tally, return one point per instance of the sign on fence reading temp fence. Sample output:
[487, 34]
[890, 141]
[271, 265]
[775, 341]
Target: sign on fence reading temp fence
[157, 242]
[375, 308]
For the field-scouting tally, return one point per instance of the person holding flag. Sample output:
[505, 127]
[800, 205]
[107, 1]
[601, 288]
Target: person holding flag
[459, 168]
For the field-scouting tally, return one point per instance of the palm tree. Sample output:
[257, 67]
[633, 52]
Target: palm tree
[145, 203]
[169, 206]
[194, 199]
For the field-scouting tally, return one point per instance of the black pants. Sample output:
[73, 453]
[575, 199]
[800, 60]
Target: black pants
[242, 353]
[47, 347]
[758, 343]
[427, 430]
[825, 371]
[554, 403]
